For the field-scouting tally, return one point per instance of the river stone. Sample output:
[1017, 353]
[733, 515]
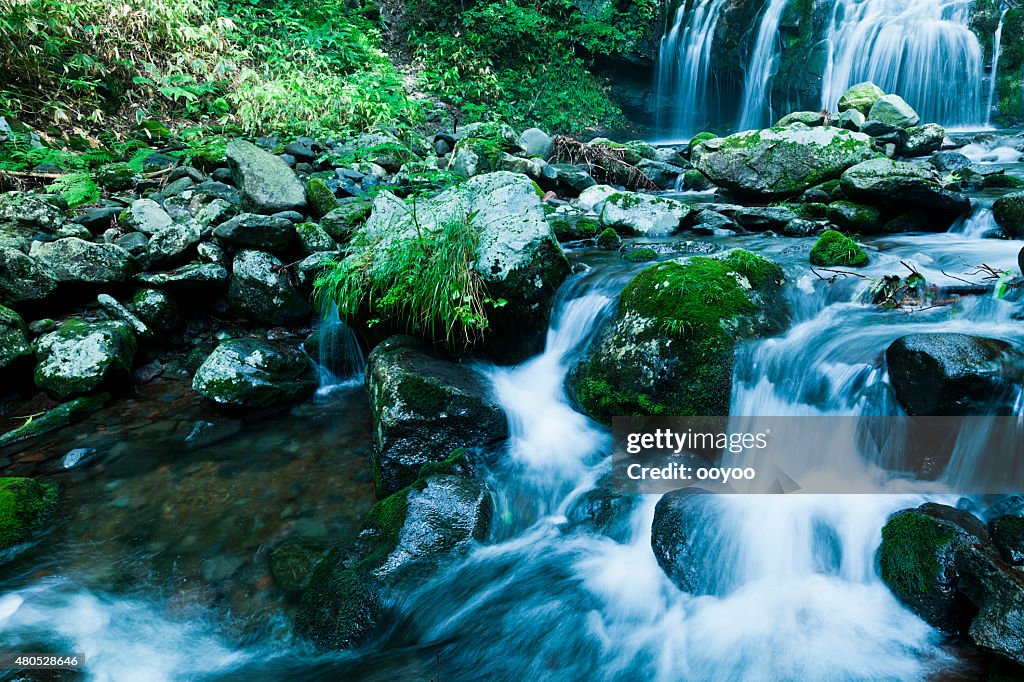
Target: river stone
[41, 212]
[255, 373]
[1008, 210]
[808, 118]
[191, 277]
[313, 239]
[76, 261]
[266, 183]
[643, 214]
[760, 218]
[952, 374]
[949, 162]
[537, 143]
[779, 162]
[517, 256]
[669, 348]
[565, 179]
[55, 418]
[14, 343]
[851, 119]
[861, 97]
[158, 310]
[1008, 536]
[173, 243]
[80, 356]
[922, 140]
[251, 231]
[892, 109]
[884, 133]
[679, 518]
[423, 408]
[854, 217]
[663, 175]
[113, 308]
[902, 185]
[404, 537]
[22, 279]
[147, 216]
[343, 222]
[24, 506]
[261, 290]
[592, 198]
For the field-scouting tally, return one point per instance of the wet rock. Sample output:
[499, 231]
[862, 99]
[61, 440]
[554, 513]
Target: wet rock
[99, 219]
[249, 231]
[949, 162]
[780, 162]
[22, 279]
[80, 357]
[56, 418]
[663, 175]
[669, 349]
[593, 198]
[537, 143]
[266, 183]
[602, 511]
[679, 517]
[313, 238]
[24, 505]
[118, 312]
[255, 373]
[137, 246]
[261, 290]
[922, 140]
[997, 591]
[346, 219]
[147, 216]
[903, 185]
[643, 214]
[174, 243]
[952, 374]
[76, 261]
[14, 343]
[851, 119]
[860, 97]
[857, 218]
[192, 277]
[205, 433]
[573, 225]
[292, 564]
[423, 408]
[1008, 210]
[1008, 535]
[37, 212]
[892, 109]
[565, 179]
[708, 220]
[884, 133]
[77, 457]
[760, 218]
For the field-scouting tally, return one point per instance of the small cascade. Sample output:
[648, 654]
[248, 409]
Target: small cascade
[977, 224]
[997, 48]
[764, 62]
[338, 356]
[922, 49]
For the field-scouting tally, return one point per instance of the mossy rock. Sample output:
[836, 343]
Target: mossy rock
[836, 249]
[568, 227]
[1008, 536]
[640, 255]
[855, 217]
[669, 349]
[320, 198]
[116, 177]
[56, 418]
[24, 505]
[609, 240]
[14, 343]
[81, 356]
[345, 219]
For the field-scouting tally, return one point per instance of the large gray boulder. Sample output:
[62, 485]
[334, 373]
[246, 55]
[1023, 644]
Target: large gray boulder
[537, 143]
[188, 278]
[780, 162]
[922, 140]
[174, 243]
[147, 216]
[892, 109]
[643, 214]
[76, 261]
[81, 356]
[679, 519]
[250, 231]
[255, 373]
[423, 408]
[22, 279]
[262, 291]
[266, 183]
[860, 97]
[901, 185]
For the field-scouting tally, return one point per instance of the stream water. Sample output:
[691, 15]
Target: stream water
[159, 567]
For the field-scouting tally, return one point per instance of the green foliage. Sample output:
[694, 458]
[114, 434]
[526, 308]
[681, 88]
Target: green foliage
[834, 248]
[76, 188]
[641, 255]
[24, 503]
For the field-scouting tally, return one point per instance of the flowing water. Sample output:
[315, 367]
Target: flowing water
[993, 75]
[756, 111]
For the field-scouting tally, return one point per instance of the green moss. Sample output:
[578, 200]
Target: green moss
[58, 417]
[608, 239]
[834, 248]
[24, 504]
[640, 255]
[696, 181]
[321, 199]
[116, 177]
[422, 396]
[909, 555]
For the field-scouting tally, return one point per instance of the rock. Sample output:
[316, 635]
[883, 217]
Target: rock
[76, 261]
[836, 249]
[892, 109]
[565, 179]
[537, 143]
[643, 214]
[14, 343]
[903, 185]
[609, 240]
[808, 118]
[860, 97]
[262, 291]
[663, 175]
[952, 374]
[800, 227]
[678, 519]
[192, 277]
[341, 223]
[592, 198]
[320, 198]
[386, 151]
[997, 591]
[1020, 261]
[80, 356]
[313, 238]
[569, 225]
[99, 219]
[38, 212]
[250, 231]
[292, 564]
[438, 515]
[423, 408]
[922, 140]
[695, 181]
[177, 188]
[215, 212]
[266, 183]
[157, 310]
[22, 279]
[760, 218]
[949, 162]
[885, 133]
[707, 220]
[533, 168]
[174, 243]
[780, 162]
[24, 505]
[255, 373]
[56, 418]
[669, 347]
[851, 119]
[147, 216]
[1008, 535]
[118, 312]
[857, 218]
[1008, 210]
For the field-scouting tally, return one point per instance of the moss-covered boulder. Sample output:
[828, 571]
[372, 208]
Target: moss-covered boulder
[860, 97]
[895, 111]
[573, 225]
[404, 537]
[1008, 210]
[343, 222]
[669, 348]
[859, 218]
[255, 373]
[320, 198]
[313, 239]
[81, 356]
[22, 279]
[56, 418]
[14, 343]
[642, 214]
[835, 248]
[27, 213]
[24, 505]
[266, 183]
[1008, 535]
[782, 161]
[922, 140]
[902, 186]
[609, 239]
[423, 408]
[157, 310]
[250, 231]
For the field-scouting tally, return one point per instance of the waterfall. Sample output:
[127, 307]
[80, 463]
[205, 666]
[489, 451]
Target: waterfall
[764, 62]
[685, 78]
[920, 49]
[997, 46]
[337, 355]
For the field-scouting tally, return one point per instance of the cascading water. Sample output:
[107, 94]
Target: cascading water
[339, 358]
[993, 75]
[920, 49]
[764, 62]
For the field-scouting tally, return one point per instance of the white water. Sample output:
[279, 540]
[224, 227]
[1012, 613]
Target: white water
[922, 50]
[764, 62]
[997, 47]
[339, 362]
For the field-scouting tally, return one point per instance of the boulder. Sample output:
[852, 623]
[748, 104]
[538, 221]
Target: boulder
[1008, 536]
[760, 218]
[537, 143]
[81, 356]
[14, 343]
[1008, 210]
[249, 231]
[854, 217]
[76, 261]
[173, 243]
[262, 291]
[808, 118]
[157, 310]
[953, 374]
[592, 198]
[116, 311]
[949, 162]
[423, 408]
[669, 348]
[922, 140]
[22, 279]
[679, 518]
[884, 133]
[147, 216]
[860, 97]
[836, 249]
[24, 505]
[255, 373]
[779, 162]
[902, 185]
[56, 418]
[266, 183]
[313, 239]
[33, 212]
[565, 179]
[892, 109]
[663, 175]
[643, 214]
[851, 119]
[191, 277]
[346, 219]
